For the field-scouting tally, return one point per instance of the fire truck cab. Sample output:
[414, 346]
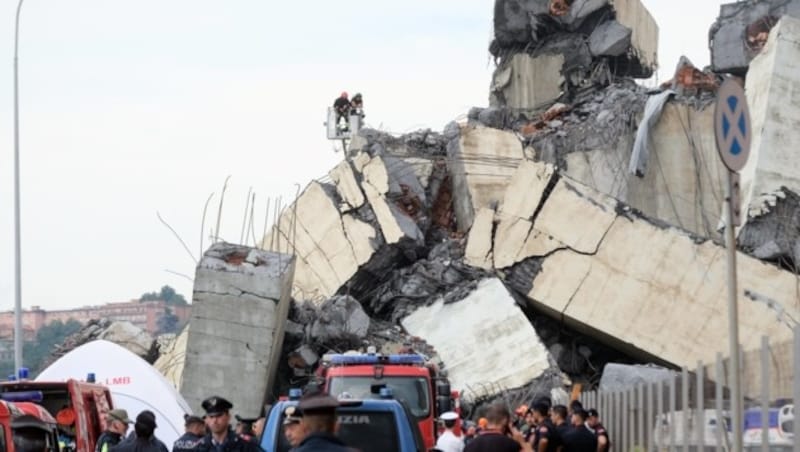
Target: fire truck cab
[79, 408]
[425, 392]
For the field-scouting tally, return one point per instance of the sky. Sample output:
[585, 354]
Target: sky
[129, 108]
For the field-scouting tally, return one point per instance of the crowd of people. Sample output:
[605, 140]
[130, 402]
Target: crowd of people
[211, 433]
[540, 428]
[311, 426]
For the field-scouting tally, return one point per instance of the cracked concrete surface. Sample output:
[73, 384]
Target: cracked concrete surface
[774, 101]
[239, 313]
[651, 289]
[481, 163]
[493, 333]
[647, 288]
[333, 244]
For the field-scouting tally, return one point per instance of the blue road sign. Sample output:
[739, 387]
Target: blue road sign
[732, 126]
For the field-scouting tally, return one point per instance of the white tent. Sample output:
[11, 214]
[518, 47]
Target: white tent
[135, 385]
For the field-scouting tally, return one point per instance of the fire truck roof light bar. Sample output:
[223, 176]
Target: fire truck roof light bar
[340, 360]
[22, 396]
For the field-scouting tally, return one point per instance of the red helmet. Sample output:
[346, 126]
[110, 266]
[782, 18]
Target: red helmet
[343, 95]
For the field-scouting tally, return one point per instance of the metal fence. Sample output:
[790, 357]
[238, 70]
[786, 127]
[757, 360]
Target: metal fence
[691, 410]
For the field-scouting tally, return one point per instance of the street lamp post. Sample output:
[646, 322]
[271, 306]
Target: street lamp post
[17, 230]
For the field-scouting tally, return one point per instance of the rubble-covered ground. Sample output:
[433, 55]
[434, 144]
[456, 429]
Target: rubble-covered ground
[133, 338]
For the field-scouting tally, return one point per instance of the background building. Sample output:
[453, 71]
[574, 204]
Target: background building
[144, 314]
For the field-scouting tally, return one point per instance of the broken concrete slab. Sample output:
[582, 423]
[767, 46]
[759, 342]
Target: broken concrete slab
[493, 332]
[774, 102]
[610, 39]
[478, 252]
[644, 39]
[330, 246]
[685, 182]
[481, 164]
[666, 304]
[773, 236]
[346, 185]
[737, 36]
[239, 311]
[569, 200]
[526, 189]
[533, 25]
[395, 224]
[375, 174]
[509, 239]
[526, 83]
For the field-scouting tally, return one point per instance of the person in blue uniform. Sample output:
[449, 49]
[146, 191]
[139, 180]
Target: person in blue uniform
[319, 424]
[221, 437]
[193, 438]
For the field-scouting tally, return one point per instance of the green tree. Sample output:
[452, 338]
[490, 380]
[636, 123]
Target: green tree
[167, 322]
[35, 353]
[167, 294]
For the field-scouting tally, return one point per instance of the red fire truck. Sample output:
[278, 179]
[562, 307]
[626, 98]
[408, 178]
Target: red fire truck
[80, 408]
[420, 386]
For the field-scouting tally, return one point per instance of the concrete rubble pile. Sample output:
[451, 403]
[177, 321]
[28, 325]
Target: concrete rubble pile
[125, 334]
[551, 49]
[572, 224]
[410, 184]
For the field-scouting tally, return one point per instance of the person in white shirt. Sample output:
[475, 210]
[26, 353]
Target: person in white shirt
[448, 441]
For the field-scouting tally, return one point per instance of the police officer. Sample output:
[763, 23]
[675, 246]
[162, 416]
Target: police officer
[319, 423]
[193, 438]
[292, 426]
[221, 438]
[244, 428]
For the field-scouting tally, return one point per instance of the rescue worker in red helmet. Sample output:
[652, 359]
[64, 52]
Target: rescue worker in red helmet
[342, 107]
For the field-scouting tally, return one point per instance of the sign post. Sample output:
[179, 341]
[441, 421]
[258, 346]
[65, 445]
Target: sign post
[733, 134]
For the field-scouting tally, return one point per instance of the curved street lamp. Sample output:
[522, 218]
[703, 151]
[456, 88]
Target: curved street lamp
[17, 233]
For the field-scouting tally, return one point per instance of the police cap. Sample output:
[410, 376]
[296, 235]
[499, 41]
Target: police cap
[189, 419]
[216, 405]
[318, 403]
[246, 420]
[292, 415]
[591, 412]
[449, 416]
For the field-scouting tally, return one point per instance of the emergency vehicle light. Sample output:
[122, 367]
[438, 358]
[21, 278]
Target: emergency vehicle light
[23, 396]
[354, 359]
[406, 359]
[340, 360]
[23, 373]
[295, 393]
